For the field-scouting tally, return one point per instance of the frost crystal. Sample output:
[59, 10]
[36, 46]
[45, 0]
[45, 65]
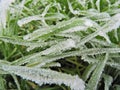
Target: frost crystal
[61, 46]
[89, 23]
[71, 43]
[46, 76]
[75, 29]
[28, 19]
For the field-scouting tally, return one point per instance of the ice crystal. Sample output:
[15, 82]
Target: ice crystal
[46, 76]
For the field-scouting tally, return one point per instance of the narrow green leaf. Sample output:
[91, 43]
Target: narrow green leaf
[58, 48]
[36, 57]
[94, 80]
[46, 76]
[2, 83]
[26, 20]
[114, 23]
[88, 71]
[98, 5]
[72, 25]
[30, 44]
[16, 81]
[107, 81]
[116, 87]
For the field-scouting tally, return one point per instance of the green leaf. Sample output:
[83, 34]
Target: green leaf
[95, 78]
[116, 87]
[46, 76]
[114, 23]
[36, 57]
[88, 71]
[2, 83]
[26, 20]
[107, 81]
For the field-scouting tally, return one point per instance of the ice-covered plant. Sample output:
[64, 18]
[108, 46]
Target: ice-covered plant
[41, 40]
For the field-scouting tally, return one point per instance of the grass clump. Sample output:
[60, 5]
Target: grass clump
[59, 44]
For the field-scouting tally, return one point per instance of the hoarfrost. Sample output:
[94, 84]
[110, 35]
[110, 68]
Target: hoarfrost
[46, 76]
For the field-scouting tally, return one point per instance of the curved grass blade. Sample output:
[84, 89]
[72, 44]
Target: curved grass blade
[46, 76]
[94, 80]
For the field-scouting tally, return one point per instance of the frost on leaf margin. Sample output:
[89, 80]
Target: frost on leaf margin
[46, 76]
